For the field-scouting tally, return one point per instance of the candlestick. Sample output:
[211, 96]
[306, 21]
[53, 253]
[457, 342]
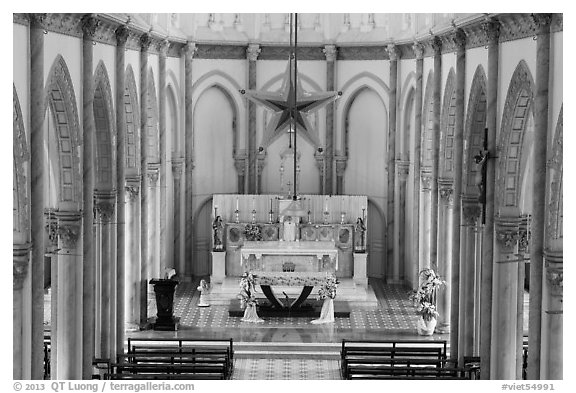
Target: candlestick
[253, 216]
[342, 218]
[236, 216]
[309, 213]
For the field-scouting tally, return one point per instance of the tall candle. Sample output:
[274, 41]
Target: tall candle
[326, 204]
[237, 204]
[253, 203]
[270, 204]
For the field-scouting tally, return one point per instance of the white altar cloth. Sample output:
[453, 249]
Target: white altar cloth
[318, 249]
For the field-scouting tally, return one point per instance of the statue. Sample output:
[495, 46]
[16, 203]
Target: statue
[203, 289]
[480, 179]
[218, 230]
[360, 229]
[289, 230]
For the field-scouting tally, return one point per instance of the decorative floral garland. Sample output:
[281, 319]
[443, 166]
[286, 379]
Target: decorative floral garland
[247, 293]
[253, 232]
[328, 288]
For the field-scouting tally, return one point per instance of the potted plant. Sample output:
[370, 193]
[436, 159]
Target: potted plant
[327, 292]
[424, 299]
[247, 298]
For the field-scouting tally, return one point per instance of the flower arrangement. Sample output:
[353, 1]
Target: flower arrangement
[424, 297]
[247, 293]
[253, 232]
[328, 288]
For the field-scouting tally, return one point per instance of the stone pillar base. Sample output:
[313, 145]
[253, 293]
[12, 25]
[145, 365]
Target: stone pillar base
[218, 267]
[360, 263]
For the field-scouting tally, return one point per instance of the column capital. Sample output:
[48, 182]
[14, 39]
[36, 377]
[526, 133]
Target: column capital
[240, 165]
[177, 168]
[89, 25]
[145, 42]
[122, 34]
[459, 38]
[507, 230]
[426, 180]
[163, 46]
[436, 44]
[21, 260]
[524, 234]
[471, 213]
[492, 30]
[554, 279]
[320, 159]
[542, 22]
[403, 169]
[341, 163]
[446, 191]
[69, 228]
[105, 203]
[252, 52]
[418, 49]
[330, 51]
[132, 187]
[189, 49]
[393, 52]
[152, 173]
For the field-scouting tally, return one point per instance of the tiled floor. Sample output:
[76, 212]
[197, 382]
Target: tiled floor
[292, 369]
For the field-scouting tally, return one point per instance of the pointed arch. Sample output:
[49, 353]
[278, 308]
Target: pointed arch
[132, 119]
[474, 130]
[153, 148]
[61, 98]
[105, 131]
[21, 154]
[447, 128]
[426, 153]
[518, 106]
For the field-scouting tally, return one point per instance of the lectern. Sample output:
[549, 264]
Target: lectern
[164, 289]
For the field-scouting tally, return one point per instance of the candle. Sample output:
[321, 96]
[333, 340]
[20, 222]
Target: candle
[253, 203]
[270, 204]
[237, 203]
[326, 204]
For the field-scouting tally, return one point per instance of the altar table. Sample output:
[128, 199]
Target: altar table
[319, 249]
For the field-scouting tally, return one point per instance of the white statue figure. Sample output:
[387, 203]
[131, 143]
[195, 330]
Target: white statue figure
[289, 229]
[203, 289]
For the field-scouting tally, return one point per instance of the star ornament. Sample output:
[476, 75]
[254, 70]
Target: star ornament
[280, 104]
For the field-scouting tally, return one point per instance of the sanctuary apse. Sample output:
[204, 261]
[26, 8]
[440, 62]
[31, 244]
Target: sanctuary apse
[130, 129]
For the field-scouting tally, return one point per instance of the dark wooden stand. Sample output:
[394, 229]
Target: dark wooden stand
[164, 290]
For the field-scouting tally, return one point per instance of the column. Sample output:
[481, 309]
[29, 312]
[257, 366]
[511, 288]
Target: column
[444, 264]
[393, 246]
[523, 255]
[504, 311]
[553, 316]
[37, 190]
[68, 318]
[492, 31]
[177, 168]
[163, 49]
[327, 185]
[89, 26]
[467, 307]
[132, 276]
[425, 232]
[402, 169]
[189, 51]
[321, 165]
[419, 52]
[153, 174]
[542, 22]
[240, 165]
[252, 53]
[437, 103]
[145, 41]
[260, 163]
[121, 234]
[105, 205]
[20, 263]
[341, 162]
[460, 41]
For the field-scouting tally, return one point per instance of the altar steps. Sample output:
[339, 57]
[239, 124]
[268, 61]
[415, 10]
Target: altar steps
[269, 350]
[355, 295]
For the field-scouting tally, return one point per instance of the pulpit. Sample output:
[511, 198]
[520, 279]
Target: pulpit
[164, 289]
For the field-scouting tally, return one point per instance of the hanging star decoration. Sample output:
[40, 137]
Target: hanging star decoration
[280, 104]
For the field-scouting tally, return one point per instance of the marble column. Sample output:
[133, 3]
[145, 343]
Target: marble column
[341, 162]
[402, 169]
[492, 31]
[425, 233]
[467, 307]
[327, 184]
[69, 284]
[436, 108]
[320, 159]
[163, 49]
[444, 244]
[419, 52]
[393, 246]
[459, 38]
[89, 26]
[145, 42]
[20, 263]
[553, 317]
[121, 249]
[153, 175]
[252, 53]
[105, 206]
[132, 276]
[260, 163]
[177, 169]
[505, 299]
[240, 165]
[189, 51]
[37, 190]
[541, 116]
